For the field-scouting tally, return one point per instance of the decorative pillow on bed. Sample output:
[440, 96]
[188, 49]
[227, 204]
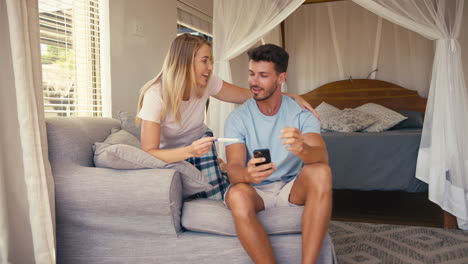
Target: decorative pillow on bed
[348, 120]
[325, 110]
[386, 118]
[415, 119]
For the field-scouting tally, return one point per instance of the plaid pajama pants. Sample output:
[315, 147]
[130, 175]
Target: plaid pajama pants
[209, 167]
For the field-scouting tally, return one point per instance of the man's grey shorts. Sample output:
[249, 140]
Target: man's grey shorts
[275, 194]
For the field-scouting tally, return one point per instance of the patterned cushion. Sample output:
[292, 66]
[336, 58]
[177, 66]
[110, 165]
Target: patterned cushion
[348, 120]
[386, 118]
[325, 110]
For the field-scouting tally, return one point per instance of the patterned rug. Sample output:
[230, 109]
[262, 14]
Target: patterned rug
[365, 243]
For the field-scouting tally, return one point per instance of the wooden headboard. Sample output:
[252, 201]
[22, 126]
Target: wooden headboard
[355, 92]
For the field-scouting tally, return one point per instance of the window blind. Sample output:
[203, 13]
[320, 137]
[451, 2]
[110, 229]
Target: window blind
[71, 52]
[191, 17]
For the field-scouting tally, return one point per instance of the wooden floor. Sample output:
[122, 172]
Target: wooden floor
[386, 208]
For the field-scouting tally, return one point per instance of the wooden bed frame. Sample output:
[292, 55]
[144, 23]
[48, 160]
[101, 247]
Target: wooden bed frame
[355, 92]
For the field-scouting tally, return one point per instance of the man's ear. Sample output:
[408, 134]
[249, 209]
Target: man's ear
[282, 77]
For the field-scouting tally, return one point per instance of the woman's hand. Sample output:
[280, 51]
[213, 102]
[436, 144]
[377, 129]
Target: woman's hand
[200, 147]
[303, 103]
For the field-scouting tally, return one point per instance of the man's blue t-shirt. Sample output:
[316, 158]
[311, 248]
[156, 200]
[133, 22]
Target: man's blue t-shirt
[258, 131]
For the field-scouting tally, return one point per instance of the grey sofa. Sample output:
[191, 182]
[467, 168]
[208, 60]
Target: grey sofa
[139, 216]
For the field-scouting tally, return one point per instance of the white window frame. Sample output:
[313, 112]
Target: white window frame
[84, 88]
[193, 18]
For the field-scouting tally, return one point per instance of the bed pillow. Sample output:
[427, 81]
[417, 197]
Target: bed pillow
[348, 120]
[386, 118]
[324, 111]
[125, 157]
[415, 119]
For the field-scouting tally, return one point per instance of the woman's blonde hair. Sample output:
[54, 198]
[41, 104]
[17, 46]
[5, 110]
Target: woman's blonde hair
[177, 74]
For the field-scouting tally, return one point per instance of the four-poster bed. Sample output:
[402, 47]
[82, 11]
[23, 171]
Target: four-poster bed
[383, 161]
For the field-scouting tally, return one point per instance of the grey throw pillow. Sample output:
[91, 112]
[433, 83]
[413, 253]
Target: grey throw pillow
[348, 120]
[386, 118]
[122, 156]
[122, 137]
[127, 123]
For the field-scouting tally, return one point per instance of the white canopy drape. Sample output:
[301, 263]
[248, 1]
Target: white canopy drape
[26, 185]
[338, 40]
[238, 25]
[443, 153]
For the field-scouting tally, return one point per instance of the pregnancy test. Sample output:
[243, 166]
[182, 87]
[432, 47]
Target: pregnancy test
[227, 140]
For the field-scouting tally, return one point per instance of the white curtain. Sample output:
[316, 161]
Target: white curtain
[334, 41]
[443, 154]
[26, 186]
[238, 25]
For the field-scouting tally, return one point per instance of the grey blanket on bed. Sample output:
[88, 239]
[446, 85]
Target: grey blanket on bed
[384, 161]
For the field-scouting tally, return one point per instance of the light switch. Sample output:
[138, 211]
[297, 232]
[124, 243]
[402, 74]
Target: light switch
[138, 29]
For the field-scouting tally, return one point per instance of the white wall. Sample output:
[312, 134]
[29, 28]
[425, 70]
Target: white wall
[137, 57]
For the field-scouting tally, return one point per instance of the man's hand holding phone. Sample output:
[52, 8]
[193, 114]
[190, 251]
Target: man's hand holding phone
[260, 166]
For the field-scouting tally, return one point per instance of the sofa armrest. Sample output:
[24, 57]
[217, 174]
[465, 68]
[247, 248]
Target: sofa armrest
[145, 200]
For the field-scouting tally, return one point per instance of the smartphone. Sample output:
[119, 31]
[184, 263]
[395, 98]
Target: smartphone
[262, 153]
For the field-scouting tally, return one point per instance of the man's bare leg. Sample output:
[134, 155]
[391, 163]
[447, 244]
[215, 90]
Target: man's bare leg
[244, 203]
[313, 189]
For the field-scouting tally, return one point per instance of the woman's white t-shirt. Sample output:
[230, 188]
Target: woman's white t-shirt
[192, 115]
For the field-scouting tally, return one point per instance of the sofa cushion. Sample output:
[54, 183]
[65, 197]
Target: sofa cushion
[122, 156]
[210, 216]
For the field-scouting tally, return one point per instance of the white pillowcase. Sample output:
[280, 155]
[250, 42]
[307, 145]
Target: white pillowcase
[386, 118]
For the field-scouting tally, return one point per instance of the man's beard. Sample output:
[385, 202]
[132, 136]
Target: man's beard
[267, 96]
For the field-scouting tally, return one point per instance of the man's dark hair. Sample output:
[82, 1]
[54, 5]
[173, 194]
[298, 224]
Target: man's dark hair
[271, 53]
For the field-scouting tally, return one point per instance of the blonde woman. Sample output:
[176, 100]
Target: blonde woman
[171, 109]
